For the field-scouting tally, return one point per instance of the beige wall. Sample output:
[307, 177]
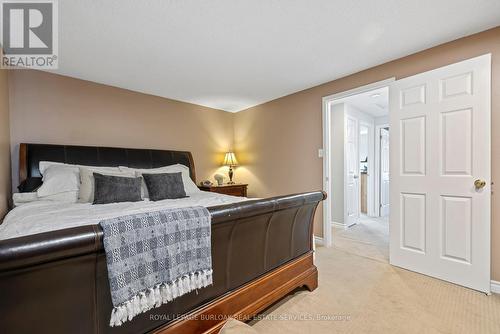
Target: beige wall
[278, 141]
[48, 108]
[4, 144]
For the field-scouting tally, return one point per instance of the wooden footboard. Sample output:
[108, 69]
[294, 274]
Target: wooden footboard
[57, 282]
[250, 299]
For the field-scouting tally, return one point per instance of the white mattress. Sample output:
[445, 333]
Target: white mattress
[44, 216]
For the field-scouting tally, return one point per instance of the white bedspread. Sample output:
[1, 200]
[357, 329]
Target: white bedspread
[44, 216]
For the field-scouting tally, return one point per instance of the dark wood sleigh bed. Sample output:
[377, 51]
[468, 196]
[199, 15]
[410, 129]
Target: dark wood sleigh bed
[56, 282]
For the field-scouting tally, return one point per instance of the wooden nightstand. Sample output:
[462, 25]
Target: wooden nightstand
[237, 189]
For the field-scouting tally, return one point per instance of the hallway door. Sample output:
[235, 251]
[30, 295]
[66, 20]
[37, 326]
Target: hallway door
[440, 123]
[384, 172]
[351, 168]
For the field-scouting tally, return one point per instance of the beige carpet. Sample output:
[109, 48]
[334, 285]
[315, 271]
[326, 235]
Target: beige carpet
[357, 294]
[368, 238]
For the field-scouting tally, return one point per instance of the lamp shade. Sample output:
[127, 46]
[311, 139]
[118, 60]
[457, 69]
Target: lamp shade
[230, 159]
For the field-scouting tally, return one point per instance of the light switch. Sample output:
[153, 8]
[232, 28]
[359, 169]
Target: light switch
[320, 153]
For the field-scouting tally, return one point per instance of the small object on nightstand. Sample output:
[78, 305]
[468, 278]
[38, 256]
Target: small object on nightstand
[219, 178]
[206, 183]
[230, 160]
[234, 189]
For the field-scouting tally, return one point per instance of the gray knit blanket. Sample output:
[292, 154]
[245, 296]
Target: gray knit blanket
[155, 257]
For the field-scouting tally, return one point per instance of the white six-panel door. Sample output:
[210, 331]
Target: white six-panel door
[351, 168]
[440, 145]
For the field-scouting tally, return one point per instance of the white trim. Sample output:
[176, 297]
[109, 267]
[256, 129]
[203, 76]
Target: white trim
[359, 90]
[327, 212]
[495, 286]
[377, 167]
[340, 225]
[327, 233]
[319, 241]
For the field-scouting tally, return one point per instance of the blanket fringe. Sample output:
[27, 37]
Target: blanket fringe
[158, 295]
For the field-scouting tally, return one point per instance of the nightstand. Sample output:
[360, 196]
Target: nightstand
[237, 189]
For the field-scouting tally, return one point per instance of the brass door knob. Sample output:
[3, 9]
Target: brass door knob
[479, 184]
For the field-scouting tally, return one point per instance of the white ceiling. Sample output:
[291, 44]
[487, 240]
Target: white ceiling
[234, 54]
[374, 102]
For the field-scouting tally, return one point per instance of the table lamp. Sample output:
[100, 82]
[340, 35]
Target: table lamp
[230, 160]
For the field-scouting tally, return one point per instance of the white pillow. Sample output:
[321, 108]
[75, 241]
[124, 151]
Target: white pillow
[189, 186]
[87, 180]
[43, 165]
[59, 179]
[66, 197]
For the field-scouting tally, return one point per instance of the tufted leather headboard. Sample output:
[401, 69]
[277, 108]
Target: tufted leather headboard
[30, 156]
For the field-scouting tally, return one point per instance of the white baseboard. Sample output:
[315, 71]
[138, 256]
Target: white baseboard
[339, 225]
[319, 241]
[495, 287]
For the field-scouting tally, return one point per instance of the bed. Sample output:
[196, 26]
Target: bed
[54, 280]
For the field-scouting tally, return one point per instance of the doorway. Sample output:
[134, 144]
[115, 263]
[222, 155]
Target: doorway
[359, 154]
[439, 148]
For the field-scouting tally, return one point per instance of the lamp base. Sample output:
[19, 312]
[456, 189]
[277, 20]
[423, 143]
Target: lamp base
[230, 175]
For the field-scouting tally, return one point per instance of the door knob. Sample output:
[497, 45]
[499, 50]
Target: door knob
[479, 184]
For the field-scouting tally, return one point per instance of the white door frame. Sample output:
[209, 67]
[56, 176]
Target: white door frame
[377, 167]
[327, 182]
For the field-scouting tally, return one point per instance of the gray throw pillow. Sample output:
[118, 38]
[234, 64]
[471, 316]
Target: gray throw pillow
[114, 189]
[164, 186]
